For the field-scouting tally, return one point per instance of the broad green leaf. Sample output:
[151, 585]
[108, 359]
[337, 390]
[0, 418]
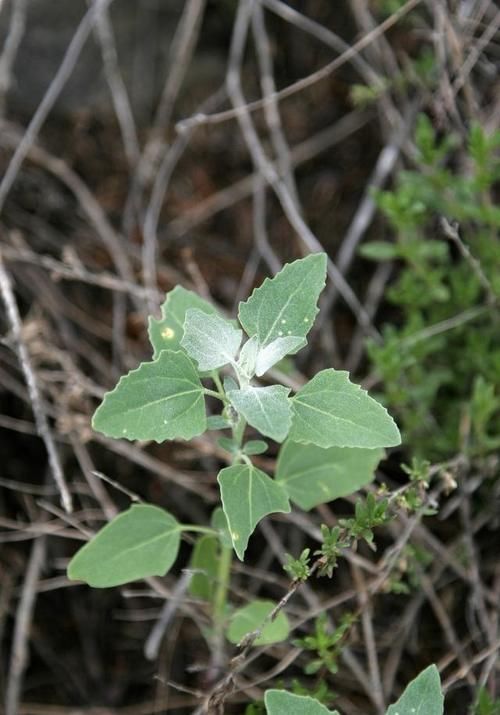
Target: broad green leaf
[331, 411]
[279, 702]
[286, 304]
[159, 400]
[312, 475]
[276, 351]
[166, 332]
[138, 543]
[422, 696]
[204, 560]
[248, 495]
[247, 619]
[265, 408]
[210, 340]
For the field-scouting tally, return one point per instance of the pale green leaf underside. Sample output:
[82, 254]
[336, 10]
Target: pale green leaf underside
[159, 400]
[422, 696]
[331, 411]
[166, 332]
[265, 408]
[139, 543]
[276, 351]
[286, 304]
[247, 619]
[312, 475]
[248, 495]
[279, 702]
[210, 340]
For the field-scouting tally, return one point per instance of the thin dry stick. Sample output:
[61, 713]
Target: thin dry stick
[153, 641]
[236, 112]
[19, 654]
[117, 88]
[56, 86]
[265, 167]
[42, 423]
[239, 190]
[14, 36]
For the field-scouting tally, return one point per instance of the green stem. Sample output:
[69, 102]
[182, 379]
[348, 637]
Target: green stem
[198, 529]
[213, 393]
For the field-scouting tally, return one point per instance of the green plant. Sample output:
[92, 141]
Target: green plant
[440, 363]
[422, 697]
[331, 433]
[165, 399]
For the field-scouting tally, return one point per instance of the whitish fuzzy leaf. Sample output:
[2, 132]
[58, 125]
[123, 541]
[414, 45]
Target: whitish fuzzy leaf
[210, 340]
[422, 696]
[139, 543]
[248, 495]
[276, 351]
[166, 332]
[312, 475]
[265, 408]
[331, 411]
[159, 400]
[248, 357]
[279, 702]
[247, 619]
[255, 446]
[286, 304]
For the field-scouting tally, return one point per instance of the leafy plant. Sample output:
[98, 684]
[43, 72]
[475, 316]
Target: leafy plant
[339, 428]
[440, 364]
[422, 697]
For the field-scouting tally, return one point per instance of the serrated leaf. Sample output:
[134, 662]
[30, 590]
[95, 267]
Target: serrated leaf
[138, 543]
[276, 351]
[210, 340]
[248, 495]
[247, 619]
[279, 702]
[422, 696]
[331, 411]
[265, 408]
[204, 560]
[160, 400]
[286, 304]
[166, 332]
[312, 475]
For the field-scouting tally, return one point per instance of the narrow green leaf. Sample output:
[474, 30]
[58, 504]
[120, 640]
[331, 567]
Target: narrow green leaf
[217, 422]
[219, 523]
[166, 332]
[286, 304]
[279, 702]
[276, 351]
[379, 250]
[138, 543]
[248, 495]
[204, 560]
[210, 340]
[331, 411]
[247, 619]
[159, 400]
[255, 446]
[265, 408]
[312, 475]
[422, 696]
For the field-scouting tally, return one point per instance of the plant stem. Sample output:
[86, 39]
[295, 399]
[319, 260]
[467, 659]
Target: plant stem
[198, 529]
